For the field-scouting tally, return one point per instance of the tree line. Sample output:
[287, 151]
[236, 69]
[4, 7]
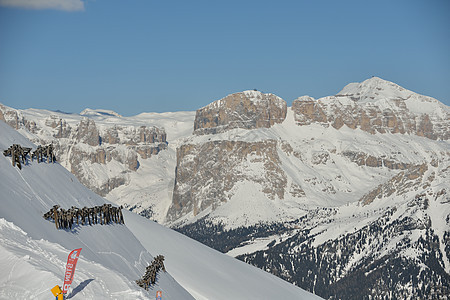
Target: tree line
[19, 154]
[151, 271]
[65, 219]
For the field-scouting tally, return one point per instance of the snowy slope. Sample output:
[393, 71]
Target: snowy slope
[207, 273]
[33, 252]
[376, 90]
[112, 258]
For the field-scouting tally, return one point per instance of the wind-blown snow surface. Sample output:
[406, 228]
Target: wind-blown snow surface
[33, 252]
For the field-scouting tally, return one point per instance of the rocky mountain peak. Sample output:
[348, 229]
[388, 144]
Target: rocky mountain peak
[377, 105]
[374, 89]
[248, 110]
[305, 98]
[87, 132]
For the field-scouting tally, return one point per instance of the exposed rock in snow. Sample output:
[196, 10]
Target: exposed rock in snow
[207, 173]
[377, 105]
[249, 110]
[82, 144]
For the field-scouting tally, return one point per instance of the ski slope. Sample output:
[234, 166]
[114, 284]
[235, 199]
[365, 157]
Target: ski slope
[33, 253]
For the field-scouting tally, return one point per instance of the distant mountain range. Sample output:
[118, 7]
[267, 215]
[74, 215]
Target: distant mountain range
[344, 196]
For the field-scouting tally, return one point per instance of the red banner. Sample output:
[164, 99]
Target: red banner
[70, 269]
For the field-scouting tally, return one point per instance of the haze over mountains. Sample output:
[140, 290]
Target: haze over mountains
[319, 193]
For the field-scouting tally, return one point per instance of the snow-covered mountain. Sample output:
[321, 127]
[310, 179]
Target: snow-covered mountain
[33, 252]
[130, 160]
[377, 105]
[347, 186]
[348, 197]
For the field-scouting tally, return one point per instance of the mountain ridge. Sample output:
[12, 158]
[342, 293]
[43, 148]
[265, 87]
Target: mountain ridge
[321, 175]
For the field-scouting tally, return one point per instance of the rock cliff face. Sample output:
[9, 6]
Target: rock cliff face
[248, 110]
[87, 133]
[81, 145]
[362, 159]
[15, 120]
[208, 170]
[377, 105]
[207, 173]
[120, 147]
[400, 184]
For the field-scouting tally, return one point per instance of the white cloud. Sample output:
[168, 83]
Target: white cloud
[67, 5]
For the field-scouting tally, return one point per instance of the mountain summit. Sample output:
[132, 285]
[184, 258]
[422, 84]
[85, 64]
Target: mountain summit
[374, 89]
[248, 109]
[377, 105]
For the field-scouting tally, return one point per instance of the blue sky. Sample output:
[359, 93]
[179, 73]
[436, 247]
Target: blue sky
[162, 55]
